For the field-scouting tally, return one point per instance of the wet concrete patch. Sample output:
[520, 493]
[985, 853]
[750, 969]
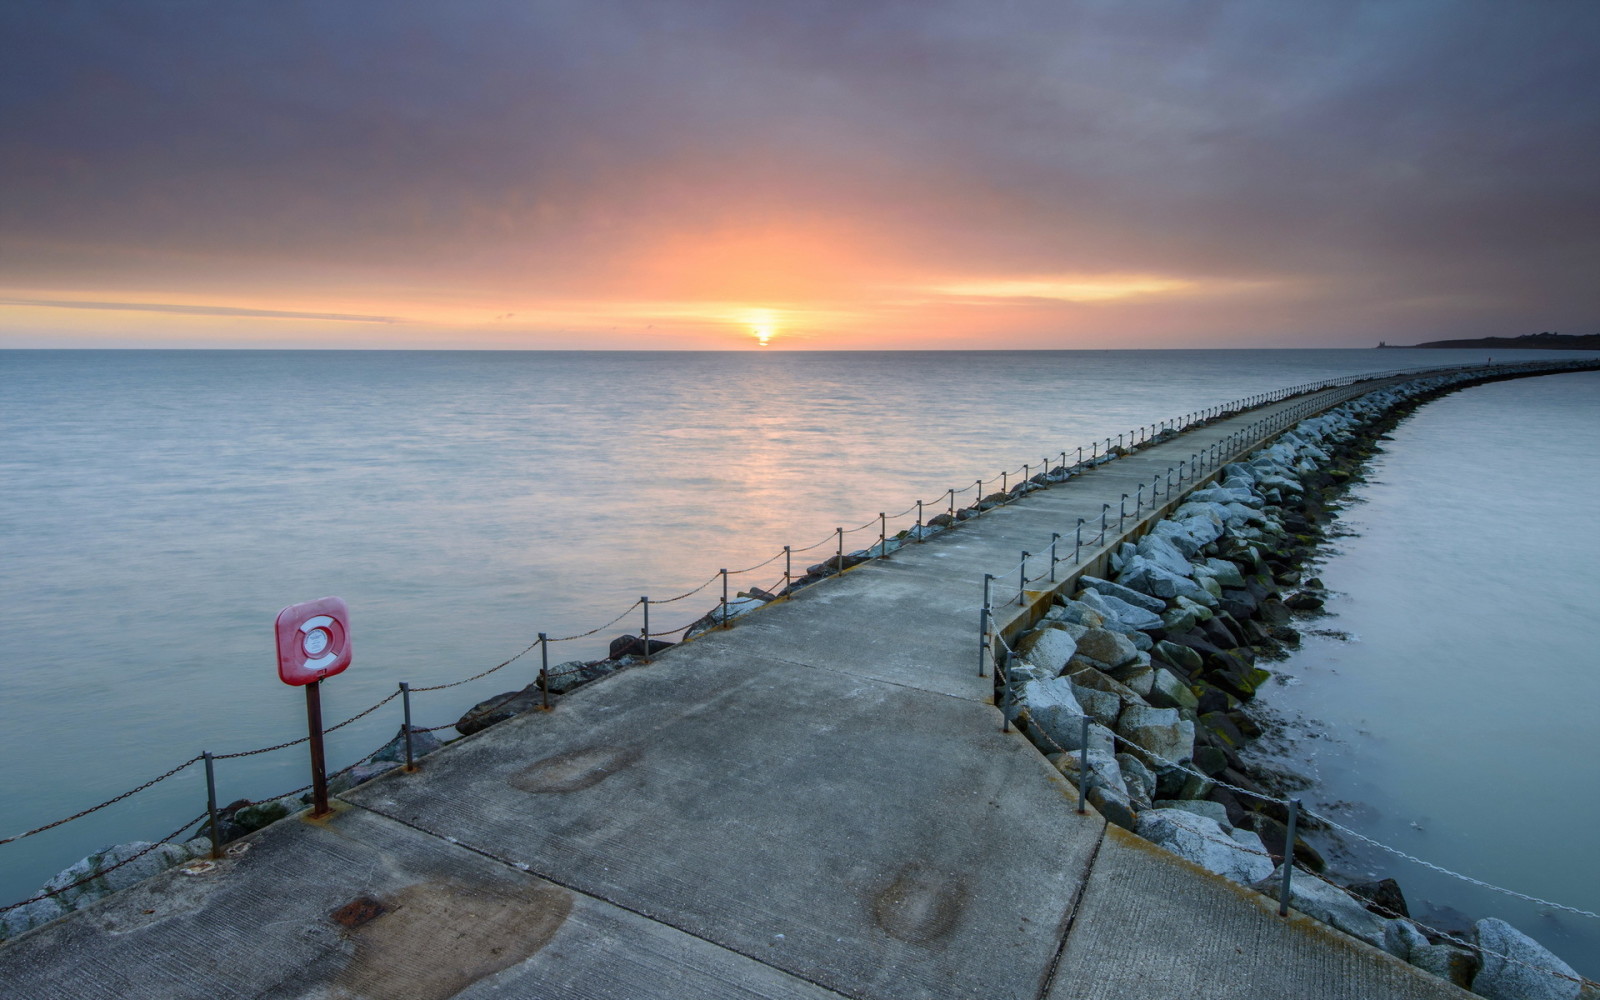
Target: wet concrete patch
[432, 940]
[574, 770]
[920, 905]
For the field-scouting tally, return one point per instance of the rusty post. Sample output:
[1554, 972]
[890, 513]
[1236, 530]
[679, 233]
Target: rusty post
[883, 535]
[788, 567]
[211, 806]
[644, 631]
[319, 768]
[544, 671]
[405, 703]
[838, 563]
[724, 572]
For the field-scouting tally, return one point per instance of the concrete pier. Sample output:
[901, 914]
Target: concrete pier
[817, 802]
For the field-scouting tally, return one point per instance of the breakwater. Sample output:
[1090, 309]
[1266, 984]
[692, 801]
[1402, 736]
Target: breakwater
[1134, 689]
[618, 760]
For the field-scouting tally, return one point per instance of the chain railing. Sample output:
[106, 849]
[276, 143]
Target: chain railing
[946, 502]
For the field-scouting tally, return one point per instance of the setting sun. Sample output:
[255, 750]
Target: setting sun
[763, 325]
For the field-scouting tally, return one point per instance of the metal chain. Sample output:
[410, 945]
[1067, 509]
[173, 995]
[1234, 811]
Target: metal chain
[479, 676]
[601, 628]
[304, 739]
[108, 802]
[687, 593]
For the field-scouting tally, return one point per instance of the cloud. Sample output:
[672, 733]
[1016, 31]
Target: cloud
[188, 310]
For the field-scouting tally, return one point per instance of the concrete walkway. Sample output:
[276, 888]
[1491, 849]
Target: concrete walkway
[817, 802]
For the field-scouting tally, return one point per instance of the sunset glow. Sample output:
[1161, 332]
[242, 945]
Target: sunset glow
[1034, 176]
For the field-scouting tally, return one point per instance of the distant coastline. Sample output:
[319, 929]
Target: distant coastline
[1527, 342]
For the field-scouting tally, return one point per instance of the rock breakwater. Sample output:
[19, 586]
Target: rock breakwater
[1136, 688]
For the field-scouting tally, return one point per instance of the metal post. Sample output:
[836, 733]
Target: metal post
[1122, 511]
[724, 573]
[1083, 766]
[405, 704]
[1139, 501]
[544, 670]
[1104, 509]
[983, 622]
[319, 769]
[1003, 486]
[1288, 857]
[788, 567]
[1119, 441]
[1022, 578]
[644, 631]
[1094, 450]
[1077, 541]
[1055, 536]
[211, 806]
[883, 535]
[1080, 455]
[952, 505]
[920, 539]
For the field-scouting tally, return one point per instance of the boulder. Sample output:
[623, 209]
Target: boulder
[504, 706]
[422, 744]
[1506, 954]
[1125, 594]
[1167, 690]
[253, 817]
[1328, 903]
[738, 606]
[1447, 961]
[1137, 677]
[1158, 735]
[1141, 784]
[1177, 536]
[1121, 612]
[1047, 650]
[1106, 649]
[633, 645]
[29, 916]
[1157, 581]
[1383, 897]
[101, 876]
[1213, 811]
[1158, 550]
[1182, 657]
[1076, 613]
[1108, 793]
[1102, 706]
[1237, 856]
[1050, 707]
[1226, 572]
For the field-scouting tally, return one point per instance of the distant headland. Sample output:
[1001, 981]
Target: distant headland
[1527, 342]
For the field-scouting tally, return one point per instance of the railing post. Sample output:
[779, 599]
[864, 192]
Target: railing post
[1080, 456]
[405, 703]
[1138, 501]
[1288, 857]
[788, 567]
[1122, 512]
[983, 622]
[883, 535]
[1004, 487]
[1105, 508]
[644, 631]
[1055, 536]
[211, 806]
[838, 563]
[544, 670]
[1083, 765]
[724, 572]
[920, 539]
[1077, 541]
[952, 506]
[1022, 578]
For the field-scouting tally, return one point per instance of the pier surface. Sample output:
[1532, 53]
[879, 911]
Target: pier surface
[817, 802]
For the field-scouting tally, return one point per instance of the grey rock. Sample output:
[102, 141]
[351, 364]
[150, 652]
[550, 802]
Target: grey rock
[1330, 904]
[1107, 649]
[1226, 572]
[1124, 614]
[1076, 613]
[1159, 735]
[1213, 811]
[1102, 706]
[359, 775]
[259, 814]
[1051, 707]
[1125, 594]
[1447, 961]
[422, 744]
[1178, 537]
[1147, 577]
[1156, 549]
[1500, 979]
[1238, 856]
[1167, 690]
[736, 608]
[1137, 677]
[1047, 650]
[101, 875]
[512, 703]
[29, 916]
[1179, 656]
[1141, 784]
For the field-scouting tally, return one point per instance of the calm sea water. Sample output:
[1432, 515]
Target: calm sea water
[160, 507]
[1448, 708]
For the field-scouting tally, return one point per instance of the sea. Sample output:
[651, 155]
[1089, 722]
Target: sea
[160, 507]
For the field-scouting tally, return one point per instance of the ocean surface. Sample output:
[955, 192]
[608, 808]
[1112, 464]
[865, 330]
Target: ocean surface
[159, 508]
[1446, 703]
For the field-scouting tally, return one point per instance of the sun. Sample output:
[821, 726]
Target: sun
[763, 325]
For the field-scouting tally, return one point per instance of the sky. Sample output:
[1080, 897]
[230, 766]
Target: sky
[695, 174]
